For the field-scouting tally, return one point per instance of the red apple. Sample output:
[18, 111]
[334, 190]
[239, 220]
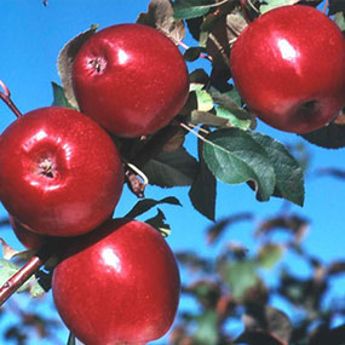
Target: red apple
[26, 236]
[289, 67]
[131, 79]
[118, 285]
[60, 173]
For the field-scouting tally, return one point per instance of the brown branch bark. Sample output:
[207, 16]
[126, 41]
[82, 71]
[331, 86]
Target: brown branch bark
[23, 274]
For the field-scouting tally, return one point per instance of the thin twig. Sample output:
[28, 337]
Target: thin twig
[5, 95]
[23, 275]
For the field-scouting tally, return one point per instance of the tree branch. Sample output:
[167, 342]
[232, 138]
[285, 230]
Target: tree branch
[24, 274]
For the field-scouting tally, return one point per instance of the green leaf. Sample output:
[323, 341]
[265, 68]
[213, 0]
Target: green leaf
[207, 328]
[7, 269]
[187, 9]
[35, 288]
[269, 255]
[145, 205]
[289, 174]
[230, 107]
[59, 97]
[71, 339]
[233, 120]
[170, 169]
[271, 4]
[158, 222]
[234, 157]
[339, 18]
[240, 276]
[204, 188]
[204, 100]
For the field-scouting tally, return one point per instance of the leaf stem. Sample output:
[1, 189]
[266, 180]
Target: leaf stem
[5, 95]
[198, 135]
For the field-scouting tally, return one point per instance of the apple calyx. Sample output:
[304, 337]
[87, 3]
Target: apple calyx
[98, 65]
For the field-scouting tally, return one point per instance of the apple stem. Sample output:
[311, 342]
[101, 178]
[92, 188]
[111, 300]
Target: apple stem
[5, 95]
[23, 274]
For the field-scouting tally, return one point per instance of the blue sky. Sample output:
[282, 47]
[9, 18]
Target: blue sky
[31, 37]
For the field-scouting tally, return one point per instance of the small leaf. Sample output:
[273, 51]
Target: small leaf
[332, 172]
[240, 276]
[59, 97]
[194, 262]
[336, 6]
[271, 4]
[7, 269]
[269, 255]
[295, 224]
[204, 100]
[339, 19]
[186, 9]
[170, 169]
[217, 229]
[233, 120]
[145, 205]
[336, 267]
[331, 136]
[193, 53]
[158, 222]
[257, 338]
[160, 15]
[289, 174]
[207, 328]
[269, 320]
[7, 251]
[230, 107]
[35, 288]
[71, 339]
[204, 188]
[208, 119]
[234, 157]
[65, 62]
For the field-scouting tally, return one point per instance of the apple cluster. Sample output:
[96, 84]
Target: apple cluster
[62, 176]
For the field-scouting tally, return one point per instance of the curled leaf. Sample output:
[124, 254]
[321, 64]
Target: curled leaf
[160, 15]
[65, 62]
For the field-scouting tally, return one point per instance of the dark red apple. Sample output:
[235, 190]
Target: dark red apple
[26, 236]
[60, 173]
[289, 67]
[131, 79]
[118, 285]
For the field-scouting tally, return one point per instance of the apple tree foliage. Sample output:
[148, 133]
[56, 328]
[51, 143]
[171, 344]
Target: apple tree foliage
[230, 287]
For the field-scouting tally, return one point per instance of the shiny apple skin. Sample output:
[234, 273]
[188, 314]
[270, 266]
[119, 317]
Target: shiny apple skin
[118, 285]
[60, 173]
[289, 67]
[131, 79]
